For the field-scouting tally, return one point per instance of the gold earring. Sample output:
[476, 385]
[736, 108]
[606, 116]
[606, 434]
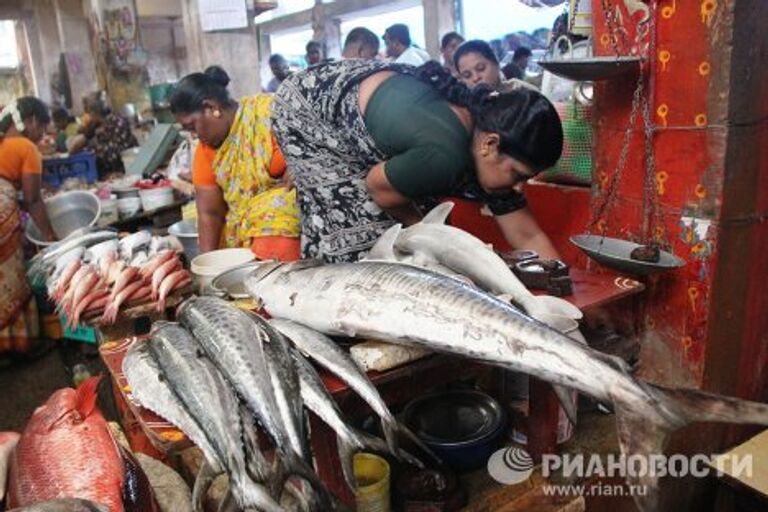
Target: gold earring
[216, 113]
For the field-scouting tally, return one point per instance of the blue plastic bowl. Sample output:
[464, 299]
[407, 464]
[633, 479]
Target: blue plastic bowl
[462, 427]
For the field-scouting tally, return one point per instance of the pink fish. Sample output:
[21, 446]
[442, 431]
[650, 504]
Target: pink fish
[105, 262]
[173, 281]
[89, 283]
[67, 296]
[127, 276]
[67, 451]
[85, 304]
[110, 312]
[66, 277]
[154, 263]
[8, 441]
[161, 273]
[115, 269]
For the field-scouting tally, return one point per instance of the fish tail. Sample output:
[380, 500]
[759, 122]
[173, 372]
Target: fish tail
[203, 481]
[645, 431]
[296, 466]
[347, 452]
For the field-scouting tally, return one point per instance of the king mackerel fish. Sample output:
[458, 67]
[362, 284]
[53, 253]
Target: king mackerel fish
[412, 306]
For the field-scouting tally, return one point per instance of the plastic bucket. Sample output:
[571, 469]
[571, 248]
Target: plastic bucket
[207, 266]
[372, 476]
[154, 198]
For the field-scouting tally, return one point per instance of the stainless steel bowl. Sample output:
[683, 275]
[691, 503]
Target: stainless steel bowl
[67, 212]
[186, 232]
[231, 282]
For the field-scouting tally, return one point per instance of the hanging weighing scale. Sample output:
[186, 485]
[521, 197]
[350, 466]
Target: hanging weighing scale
[623, 255]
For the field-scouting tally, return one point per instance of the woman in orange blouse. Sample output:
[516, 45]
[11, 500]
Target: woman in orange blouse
[238, 169]
[22, 125]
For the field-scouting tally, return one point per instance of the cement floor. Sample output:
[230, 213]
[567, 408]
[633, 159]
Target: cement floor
[26, 383]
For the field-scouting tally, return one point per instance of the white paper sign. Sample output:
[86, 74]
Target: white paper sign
[223, 14]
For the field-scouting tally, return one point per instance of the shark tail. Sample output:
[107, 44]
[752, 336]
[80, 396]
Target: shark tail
[645, 431]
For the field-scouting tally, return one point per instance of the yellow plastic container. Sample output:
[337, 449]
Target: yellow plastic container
[372, 475]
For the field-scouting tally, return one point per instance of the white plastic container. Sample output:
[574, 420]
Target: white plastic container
[207, 266]
[128, 206]
[154, 198]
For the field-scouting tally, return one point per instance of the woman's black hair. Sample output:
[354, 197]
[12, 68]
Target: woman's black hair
[449, 38]
[28, 106]
[526, 122]
[475, 46]
[188, 95]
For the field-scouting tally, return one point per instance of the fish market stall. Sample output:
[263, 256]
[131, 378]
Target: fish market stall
[396, 386]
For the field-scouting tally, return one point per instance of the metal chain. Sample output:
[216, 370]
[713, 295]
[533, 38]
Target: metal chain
[650, 200]
[613, 27]
[609, 196]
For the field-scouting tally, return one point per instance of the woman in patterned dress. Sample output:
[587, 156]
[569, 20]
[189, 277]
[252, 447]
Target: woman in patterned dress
[237, 170]
[22, 125]
[368, 144]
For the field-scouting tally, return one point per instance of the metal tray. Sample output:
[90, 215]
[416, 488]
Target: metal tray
[232, 282]
[614, 253]
[590, 68]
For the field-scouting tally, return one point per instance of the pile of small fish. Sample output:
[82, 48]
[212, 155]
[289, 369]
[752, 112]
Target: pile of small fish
[221, 371]
[98, 272]
[67, 460]
[407, 293]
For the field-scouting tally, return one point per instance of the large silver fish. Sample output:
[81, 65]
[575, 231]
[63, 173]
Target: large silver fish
[404, 304]
[215, 408]
[285, 383]
[152, 391]
[431, 243]
[234, 341]
[325, 351]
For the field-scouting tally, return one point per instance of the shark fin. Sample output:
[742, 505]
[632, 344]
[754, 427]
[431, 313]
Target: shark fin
[438, 214]
[559, 306]
[384, 248]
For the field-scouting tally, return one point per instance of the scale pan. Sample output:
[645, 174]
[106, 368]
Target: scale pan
[590, 68]
[614, 253]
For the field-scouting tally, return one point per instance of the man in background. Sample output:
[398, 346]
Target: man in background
[397, 40]
[516, 68]
[448, 45]
[361, 43]
[314, 53]
[280, 71]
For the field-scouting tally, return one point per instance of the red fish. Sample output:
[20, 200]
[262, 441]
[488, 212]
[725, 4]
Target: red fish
[67, 451]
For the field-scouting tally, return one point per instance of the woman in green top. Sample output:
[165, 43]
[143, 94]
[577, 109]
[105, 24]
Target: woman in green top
[367, 142]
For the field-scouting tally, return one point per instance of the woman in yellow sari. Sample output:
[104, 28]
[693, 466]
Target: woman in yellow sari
[22, 124]
[242, 199]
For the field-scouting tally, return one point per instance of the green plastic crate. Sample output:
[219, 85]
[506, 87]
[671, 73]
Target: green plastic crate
[80, 333]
